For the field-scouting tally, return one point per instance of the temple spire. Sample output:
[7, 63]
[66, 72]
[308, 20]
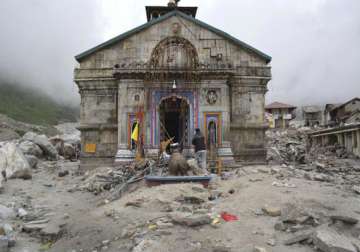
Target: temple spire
[173, 3]
[154, 12]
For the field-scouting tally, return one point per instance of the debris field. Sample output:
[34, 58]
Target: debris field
[302, 200]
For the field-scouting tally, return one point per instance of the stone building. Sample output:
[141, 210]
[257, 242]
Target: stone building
[348, 112]
[328, 117]
[312, 115]
[347, 136]
[281, 114]
[173, 74]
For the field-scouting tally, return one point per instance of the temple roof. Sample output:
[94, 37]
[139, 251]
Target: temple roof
[175, 12]
[278, 105]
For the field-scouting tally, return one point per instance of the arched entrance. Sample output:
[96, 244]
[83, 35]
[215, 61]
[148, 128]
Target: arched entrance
[174, 120]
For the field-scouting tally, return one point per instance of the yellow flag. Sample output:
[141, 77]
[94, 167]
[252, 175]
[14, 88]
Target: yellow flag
[135, 133]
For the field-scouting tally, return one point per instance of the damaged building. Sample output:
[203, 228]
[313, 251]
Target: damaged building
[312, 115]
[343, 122]
[348, 112]
[172, 75]
[280, 114]
[347, 137]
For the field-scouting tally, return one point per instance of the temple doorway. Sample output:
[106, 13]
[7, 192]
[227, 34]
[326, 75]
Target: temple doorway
[174, 120]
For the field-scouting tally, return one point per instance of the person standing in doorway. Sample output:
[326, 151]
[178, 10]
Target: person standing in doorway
[200, 149]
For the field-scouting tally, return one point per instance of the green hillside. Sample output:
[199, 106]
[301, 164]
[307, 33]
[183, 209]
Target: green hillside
[31, 106]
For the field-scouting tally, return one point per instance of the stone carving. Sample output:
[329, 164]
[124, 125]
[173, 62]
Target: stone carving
[174, 52]
[211, 97]
[176, 28]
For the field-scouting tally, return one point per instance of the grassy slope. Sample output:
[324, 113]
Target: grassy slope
[30, 106]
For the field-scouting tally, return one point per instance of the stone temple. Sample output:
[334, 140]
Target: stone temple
[173, 74]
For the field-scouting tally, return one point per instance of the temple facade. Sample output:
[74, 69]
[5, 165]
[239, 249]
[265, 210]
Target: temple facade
[173, 74]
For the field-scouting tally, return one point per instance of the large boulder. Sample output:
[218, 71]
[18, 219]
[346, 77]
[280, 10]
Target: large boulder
[6, 213]
[32, 160]
[69, 151]
[13, 163]
[30, 148]
[65, 149]
[328, 240]
[43, 142]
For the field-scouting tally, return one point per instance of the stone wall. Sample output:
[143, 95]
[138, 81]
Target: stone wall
[98, 119]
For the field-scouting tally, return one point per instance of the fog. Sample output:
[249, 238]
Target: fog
[39, 39]
[314, 44]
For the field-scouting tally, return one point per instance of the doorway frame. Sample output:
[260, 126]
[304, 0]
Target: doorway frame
[131, 120]
[191, 96]
[164, 99]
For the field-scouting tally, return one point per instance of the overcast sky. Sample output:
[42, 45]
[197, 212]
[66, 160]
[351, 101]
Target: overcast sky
[314, 43]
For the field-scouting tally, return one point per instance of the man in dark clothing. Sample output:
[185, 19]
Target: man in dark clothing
[200, 149]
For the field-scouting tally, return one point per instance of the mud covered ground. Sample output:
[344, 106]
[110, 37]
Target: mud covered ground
[59, 216]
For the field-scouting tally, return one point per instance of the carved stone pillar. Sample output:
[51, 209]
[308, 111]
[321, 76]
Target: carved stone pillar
[247, 127]
[124, 154]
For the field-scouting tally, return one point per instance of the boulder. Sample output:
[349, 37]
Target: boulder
[298, 238]
[43, 142]
[6, 213]
[328, 240]
[32, 160]
[67, 144]
[13, 162]
[345, 219]
[69, 151]
[73, 139]
[190, 221]
[272, 211]
[30, 148]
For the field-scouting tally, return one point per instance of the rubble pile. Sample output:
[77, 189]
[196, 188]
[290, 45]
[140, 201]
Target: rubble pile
[286, 146]
[18, 158]
[335, 150]
[322, 232]
[115, 180]
[290, 147]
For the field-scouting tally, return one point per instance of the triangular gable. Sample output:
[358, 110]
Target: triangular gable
[162, 18]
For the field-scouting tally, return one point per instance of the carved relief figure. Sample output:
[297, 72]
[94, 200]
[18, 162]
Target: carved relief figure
[211, 97]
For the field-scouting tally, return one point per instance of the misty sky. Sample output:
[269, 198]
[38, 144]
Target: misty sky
[315, 44]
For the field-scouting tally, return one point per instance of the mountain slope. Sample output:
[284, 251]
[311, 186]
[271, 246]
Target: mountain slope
[31, 106]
